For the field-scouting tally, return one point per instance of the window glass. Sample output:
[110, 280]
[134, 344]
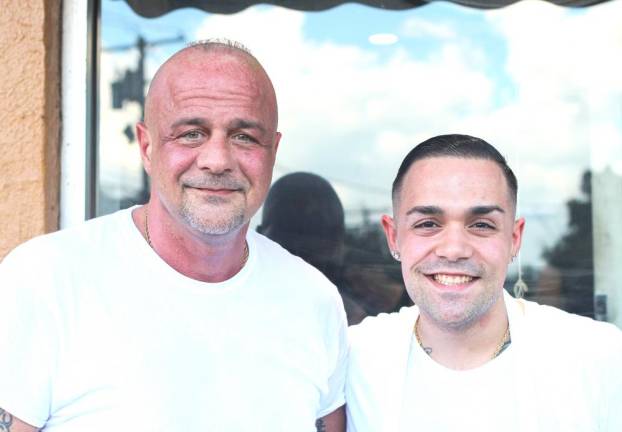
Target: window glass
[358, 87]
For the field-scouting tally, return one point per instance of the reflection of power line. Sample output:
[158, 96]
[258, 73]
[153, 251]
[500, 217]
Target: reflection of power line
[368, 210]
[131, 88]
[367, 215]
[347, 183]
[542, 219]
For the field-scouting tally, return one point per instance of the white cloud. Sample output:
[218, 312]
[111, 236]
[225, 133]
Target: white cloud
[567, 72]
[418, 27]
[342, 105]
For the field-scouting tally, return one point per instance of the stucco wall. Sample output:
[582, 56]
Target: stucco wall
[29, 119]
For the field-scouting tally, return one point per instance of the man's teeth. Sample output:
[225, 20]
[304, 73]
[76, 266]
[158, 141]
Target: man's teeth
[452, 279]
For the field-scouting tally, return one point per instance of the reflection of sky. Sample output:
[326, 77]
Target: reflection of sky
[539, 81]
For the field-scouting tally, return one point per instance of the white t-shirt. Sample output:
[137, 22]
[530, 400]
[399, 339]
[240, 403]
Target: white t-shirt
[440, 399]
[99, 334]
[561, 373]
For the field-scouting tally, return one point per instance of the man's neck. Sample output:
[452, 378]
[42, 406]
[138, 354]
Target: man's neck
[200, 257]
[469, 347]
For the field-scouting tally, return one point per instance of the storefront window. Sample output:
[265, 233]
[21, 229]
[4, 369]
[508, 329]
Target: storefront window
[359, 86]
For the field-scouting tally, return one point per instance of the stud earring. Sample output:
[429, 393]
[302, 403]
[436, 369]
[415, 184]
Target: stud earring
[395, 255]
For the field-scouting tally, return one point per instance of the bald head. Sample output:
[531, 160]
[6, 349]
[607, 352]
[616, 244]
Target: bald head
[209, 139]
[205, 61]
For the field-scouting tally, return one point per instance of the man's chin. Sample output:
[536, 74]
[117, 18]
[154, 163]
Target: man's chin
[215, 226]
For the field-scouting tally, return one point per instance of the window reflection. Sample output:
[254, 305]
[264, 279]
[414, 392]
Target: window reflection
[352, 104]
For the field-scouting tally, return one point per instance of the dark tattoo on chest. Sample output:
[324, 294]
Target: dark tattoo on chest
[320, 426]
[6, 420]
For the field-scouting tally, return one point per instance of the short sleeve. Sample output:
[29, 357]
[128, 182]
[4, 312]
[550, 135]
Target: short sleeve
[611, 418]
[25, 338]
[337, 346]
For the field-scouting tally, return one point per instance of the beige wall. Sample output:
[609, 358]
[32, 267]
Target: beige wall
[30, 33]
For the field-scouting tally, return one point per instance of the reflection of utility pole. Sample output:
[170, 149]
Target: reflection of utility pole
[131, 88]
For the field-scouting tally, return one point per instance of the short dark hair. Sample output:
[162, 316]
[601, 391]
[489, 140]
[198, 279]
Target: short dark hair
[459, 146]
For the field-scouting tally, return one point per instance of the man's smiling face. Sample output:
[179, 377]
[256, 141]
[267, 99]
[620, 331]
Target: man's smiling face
[210, 139]
[455, 231]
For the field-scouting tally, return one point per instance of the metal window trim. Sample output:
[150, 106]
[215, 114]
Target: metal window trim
[79, 98]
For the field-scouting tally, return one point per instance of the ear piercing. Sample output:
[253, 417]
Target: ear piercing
[395, 255]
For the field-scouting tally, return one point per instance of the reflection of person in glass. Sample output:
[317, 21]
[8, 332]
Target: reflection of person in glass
[304, 215]
[173, 316]
[469, 356]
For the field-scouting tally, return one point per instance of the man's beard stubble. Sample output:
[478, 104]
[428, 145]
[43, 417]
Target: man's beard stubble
[222, 215]
[470, 310]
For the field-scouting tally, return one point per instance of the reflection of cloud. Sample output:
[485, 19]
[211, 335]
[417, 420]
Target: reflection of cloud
[349, 112]
[567, 76]
[418, 27]
[352, 112]
[341, 104]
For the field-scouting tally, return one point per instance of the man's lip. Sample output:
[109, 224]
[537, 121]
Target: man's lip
[451, 280]
[449, 273]
[214, 190]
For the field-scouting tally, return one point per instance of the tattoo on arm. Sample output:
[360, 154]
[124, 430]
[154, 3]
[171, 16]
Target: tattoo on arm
[320, 426]
[6, 420]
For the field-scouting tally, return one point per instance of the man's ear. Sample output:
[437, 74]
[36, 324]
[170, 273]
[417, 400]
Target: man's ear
[277, 140]
[390, 232]
[517, 235]
[145, 145]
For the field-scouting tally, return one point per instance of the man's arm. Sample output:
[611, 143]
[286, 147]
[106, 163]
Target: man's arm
[8, 423]
[333, 422]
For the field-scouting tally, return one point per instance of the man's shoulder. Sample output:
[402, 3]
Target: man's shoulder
[382, 328]
[277, 262]
[578, 333]
[558, 319]
[76, 240]
[280, 258]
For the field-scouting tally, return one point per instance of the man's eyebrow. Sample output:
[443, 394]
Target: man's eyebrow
[437, 211]
[194, 121]
[246, 124]
[234, 124]
[485, 209]
[426, 210]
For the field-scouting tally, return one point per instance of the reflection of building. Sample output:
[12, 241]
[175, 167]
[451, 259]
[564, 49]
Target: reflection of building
[50, 169]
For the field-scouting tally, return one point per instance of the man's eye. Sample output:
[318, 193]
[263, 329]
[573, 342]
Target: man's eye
[483, 226]
[192, 135]
[426, 224]
[244, 138]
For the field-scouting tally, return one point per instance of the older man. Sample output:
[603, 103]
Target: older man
[468, 356]
[173, 316]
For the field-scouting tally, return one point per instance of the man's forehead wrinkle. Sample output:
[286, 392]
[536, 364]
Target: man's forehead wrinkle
[224, 75]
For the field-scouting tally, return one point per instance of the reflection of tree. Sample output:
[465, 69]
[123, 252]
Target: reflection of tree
[374, 277]
[572, 256]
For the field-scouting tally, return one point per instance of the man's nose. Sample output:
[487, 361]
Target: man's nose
[454, 244]
[216, 154]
